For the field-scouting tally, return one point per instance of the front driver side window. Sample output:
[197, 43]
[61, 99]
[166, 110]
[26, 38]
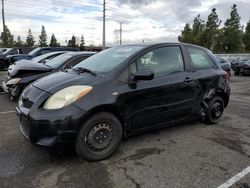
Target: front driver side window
[161, 61]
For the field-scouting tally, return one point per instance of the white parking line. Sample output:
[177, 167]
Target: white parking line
[8, 112]
[236, 178]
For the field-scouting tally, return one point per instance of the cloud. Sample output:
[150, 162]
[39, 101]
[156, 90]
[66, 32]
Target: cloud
[148, 20]
[135, 3]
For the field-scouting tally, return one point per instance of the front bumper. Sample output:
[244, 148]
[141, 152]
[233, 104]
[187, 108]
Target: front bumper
[5, 88]
[47, 128]
[245, 70]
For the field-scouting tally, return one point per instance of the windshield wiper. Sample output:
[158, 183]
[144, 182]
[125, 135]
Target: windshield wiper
[82, 70]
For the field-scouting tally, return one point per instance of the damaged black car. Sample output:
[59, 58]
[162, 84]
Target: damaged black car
[26, 72]
[123, 91]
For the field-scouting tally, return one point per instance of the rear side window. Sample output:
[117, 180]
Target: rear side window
[199, 59]
[161, 61]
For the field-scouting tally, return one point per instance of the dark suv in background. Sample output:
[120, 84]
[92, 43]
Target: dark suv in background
[5, 52]
[37, 52]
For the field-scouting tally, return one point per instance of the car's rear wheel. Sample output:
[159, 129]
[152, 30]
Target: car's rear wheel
[99, 137]
[215, 110]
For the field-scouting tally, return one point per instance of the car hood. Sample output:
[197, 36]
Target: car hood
[60, 80]
[28, 67]
[2, 56]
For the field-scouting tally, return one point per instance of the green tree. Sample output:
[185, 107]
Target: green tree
[7, 37]
[30, 39]
[82, 43]
[18, 42]
[232, 35]
[247, 37]
[211, 32]
[72, 42]
[198, 29]
[53, 41]
[43, 38]
[218, 44]
[186, 34]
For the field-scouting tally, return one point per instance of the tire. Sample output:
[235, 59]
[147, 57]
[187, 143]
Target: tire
[99, 137]
[215, 110]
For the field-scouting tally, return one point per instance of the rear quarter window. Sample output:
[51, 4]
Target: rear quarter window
[199, 59]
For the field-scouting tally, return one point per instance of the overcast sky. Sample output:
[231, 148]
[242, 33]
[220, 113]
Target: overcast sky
[148, 20]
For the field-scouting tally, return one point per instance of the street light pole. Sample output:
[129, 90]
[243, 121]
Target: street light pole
[104, 20]
[3, 16]
[120, 33]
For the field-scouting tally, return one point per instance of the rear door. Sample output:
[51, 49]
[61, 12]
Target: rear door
[168, 98]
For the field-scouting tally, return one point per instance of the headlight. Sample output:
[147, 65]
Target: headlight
[13, 81]
[66, 96]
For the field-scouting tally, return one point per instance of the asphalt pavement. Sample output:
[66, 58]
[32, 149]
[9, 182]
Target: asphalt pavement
[188, 155]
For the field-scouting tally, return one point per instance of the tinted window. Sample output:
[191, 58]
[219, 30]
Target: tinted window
[199, 59]
[33, 52]
[74, 61]
[44, 51]
[58, 61]
[107, 60]
[45, 56]
[161, 61]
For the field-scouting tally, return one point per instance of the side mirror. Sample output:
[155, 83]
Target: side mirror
[143, 75]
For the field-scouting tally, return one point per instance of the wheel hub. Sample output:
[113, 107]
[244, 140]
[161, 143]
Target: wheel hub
[217, 110]
[99, 136]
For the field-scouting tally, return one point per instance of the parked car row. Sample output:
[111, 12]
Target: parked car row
[10, 55]
[240, 66]
[95, 100]
[24, 72]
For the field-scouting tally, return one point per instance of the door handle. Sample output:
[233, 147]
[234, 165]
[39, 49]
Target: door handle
[188, 80]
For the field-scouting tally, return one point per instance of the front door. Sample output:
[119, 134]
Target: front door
[169, 97]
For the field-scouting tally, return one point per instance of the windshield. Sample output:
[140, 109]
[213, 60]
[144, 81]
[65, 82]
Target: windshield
[44, 56]
[33, 52]
[58, 61]
[2, 51]
[107, 60]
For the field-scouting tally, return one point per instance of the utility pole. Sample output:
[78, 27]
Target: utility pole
[3, 15]
[120, 33]
[104, 20]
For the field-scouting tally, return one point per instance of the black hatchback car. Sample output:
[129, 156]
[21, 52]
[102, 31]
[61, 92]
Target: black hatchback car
[123, 91]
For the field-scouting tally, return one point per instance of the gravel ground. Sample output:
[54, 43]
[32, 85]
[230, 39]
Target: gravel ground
[188, 155]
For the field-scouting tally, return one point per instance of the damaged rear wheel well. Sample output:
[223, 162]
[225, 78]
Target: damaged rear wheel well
[224, 96]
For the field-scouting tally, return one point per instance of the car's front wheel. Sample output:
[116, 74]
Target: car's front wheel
[99, 137]
[215, 110]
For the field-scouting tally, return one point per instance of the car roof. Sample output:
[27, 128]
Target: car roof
[151, 44]
[80, 53]
[57, 52]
